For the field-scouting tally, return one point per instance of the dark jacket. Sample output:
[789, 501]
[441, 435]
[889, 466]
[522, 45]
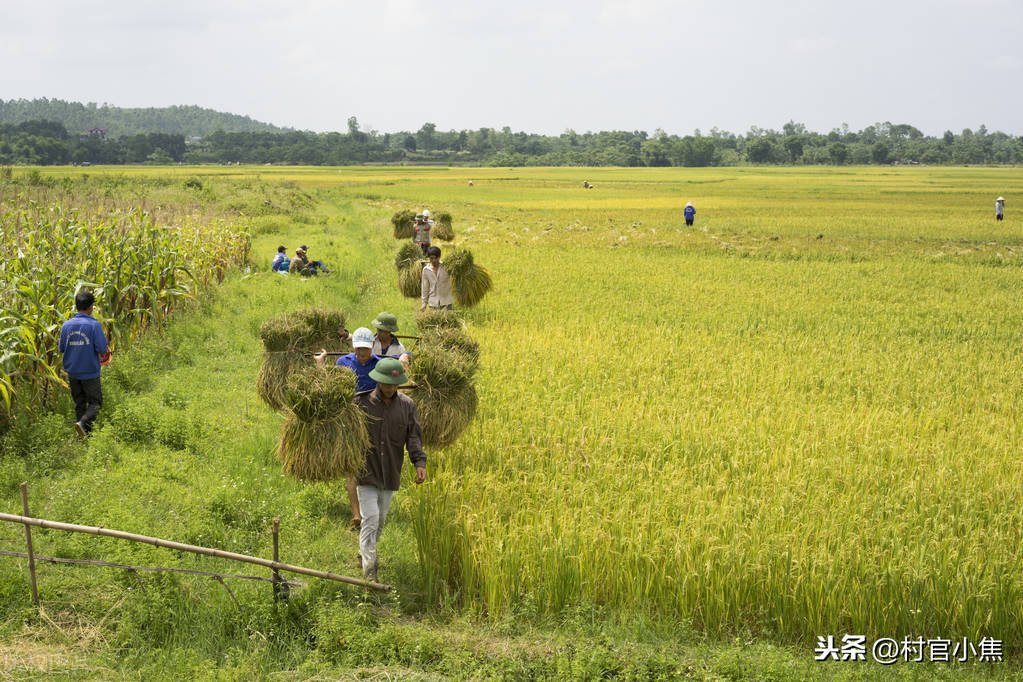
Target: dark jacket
[392, 429]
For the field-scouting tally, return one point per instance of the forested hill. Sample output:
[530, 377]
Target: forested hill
[190, 121]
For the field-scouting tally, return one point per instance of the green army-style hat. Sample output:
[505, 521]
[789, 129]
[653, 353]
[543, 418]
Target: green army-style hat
[387, 322]
[388, 371]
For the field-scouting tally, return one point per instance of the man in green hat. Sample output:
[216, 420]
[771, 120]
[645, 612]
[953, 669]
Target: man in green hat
[393, 428]
[385, 343]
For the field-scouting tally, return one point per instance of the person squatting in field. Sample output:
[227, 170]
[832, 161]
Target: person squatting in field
[393, 428]
[436, 283]
[422, 231]
[85, 350]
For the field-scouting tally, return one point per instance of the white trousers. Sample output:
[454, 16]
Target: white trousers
[373, 503]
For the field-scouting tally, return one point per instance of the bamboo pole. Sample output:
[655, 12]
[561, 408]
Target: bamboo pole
[331, 353]
[194, 549]
[136, 569]
[28, 541]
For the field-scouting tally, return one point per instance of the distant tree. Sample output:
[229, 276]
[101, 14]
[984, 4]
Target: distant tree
[880, 154]
[794, 146]
[159, 157]
[761, 150]
[793, 128]
[839, 153]
[424, 138]
[656, 152]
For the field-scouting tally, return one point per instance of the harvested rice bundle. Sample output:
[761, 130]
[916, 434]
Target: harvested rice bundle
[286, 338]
[410, 281]
[470, 282]
[282, 338]
[431, 319]
[322, 327]
[444, 394]
[324, 437]
[442, 230]
[408, 255]
[404, 224]
[409, 262]
[457, 340]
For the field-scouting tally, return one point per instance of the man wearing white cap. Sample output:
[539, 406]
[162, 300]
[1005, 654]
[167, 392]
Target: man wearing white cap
[362, 362]
[999, 208]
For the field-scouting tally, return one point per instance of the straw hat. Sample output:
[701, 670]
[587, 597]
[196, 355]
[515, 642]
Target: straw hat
[1000, 199]
[689, 203]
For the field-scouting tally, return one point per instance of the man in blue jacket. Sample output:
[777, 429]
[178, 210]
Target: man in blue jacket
[85, 348]
[281, 262]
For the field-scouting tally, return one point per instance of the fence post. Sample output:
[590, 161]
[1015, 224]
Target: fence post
[28, 540]
[280, 590]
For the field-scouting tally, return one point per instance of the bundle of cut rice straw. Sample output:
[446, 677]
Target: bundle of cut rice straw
[470, 282]
[324, 435]
[409, 261]
[444, 393]
[404, 224]
[432, 318]
[442, 230]
[286, 339]
[456, 340]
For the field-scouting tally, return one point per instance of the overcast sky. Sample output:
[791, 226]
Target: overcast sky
[539, 66]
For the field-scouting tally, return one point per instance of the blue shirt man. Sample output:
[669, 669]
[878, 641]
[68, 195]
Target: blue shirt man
[362, 368]
[281, 261]
[362, 361]
[689, 213]
[84, 346]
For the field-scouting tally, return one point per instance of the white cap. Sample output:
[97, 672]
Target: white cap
[999, 199]
[362, 338]
[426, 213]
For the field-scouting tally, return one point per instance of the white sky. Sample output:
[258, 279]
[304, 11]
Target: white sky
[534, 65]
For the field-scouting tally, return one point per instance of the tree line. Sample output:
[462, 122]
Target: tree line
[190, 121]
[49, 142]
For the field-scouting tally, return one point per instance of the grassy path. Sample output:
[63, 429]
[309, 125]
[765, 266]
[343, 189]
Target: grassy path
[185, 451]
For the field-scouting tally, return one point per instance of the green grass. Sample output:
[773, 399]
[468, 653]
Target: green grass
[695, 450]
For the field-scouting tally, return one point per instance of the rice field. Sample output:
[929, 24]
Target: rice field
[799, 417]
